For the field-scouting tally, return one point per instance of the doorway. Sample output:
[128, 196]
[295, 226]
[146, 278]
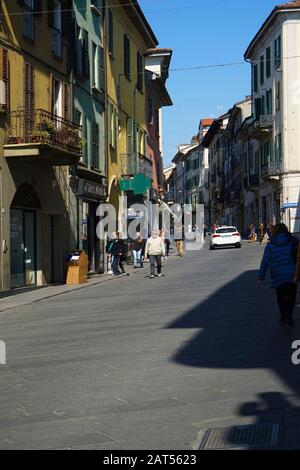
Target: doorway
[22, 247]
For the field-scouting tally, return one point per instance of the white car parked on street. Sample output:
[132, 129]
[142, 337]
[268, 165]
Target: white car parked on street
[225, 236]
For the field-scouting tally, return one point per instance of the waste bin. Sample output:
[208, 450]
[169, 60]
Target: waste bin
[77, 267]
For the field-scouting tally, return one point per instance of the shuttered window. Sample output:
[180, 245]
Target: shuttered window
[268, 62]
[3, 78]
[66, 101]
[140, 73]
[126, 56]
[29, 98]
[255, 78]
[95, 146]
[85, 55]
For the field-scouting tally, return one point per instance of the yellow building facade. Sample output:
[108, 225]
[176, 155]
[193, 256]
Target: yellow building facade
[38, 142]
[127, 37]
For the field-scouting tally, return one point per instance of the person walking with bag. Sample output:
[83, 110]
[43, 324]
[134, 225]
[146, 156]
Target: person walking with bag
[280, 257]
[155, 249]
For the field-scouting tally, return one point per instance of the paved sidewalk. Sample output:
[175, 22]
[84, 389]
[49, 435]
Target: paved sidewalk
[20, 297]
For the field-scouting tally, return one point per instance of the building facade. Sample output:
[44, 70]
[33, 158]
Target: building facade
[129, 166]
[38, 143]
[89, 177]
[274, 54]
[157, 62]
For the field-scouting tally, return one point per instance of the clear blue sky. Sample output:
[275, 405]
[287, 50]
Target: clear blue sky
[203, 32]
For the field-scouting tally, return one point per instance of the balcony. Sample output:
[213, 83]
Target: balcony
[272, 170]
[132, 165]
[261, 127]
[42, 138]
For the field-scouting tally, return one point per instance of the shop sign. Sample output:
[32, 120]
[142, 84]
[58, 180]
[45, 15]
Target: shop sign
[90, 188]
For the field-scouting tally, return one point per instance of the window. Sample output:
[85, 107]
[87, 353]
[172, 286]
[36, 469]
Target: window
[3, 78]
[140, 71]
[277, 52]
[111, 33]
[255, 78]
[278, 95]
[126, 56]
[262, 69]
[278, 148]
[129, 136]
[57, 30]
[268, 62]
[28, 25]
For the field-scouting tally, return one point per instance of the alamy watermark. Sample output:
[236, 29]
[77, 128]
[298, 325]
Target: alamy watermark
[2, 353]
[296, 353]
[178, 222]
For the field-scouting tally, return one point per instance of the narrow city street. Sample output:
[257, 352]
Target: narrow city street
[135, 363]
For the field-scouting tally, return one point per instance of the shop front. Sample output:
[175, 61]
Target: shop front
[90, 194]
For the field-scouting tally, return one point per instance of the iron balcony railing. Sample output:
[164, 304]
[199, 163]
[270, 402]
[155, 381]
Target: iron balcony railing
[271, 169]
[45, 128]
[135, 164]
[265, 120]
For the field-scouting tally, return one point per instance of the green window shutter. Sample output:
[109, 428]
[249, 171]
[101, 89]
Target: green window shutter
[257, 105]
[101, 68]
[262, 69]
[268, 62]
[255, 78]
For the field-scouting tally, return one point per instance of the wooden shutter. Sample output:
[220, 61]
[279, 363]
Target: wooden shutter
[66, 101]
[50, 14]
[4, 78]
[51, 93]
[29, 98]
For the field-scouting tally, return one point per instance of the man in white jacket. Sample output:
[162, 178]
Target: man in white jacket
[155, 249]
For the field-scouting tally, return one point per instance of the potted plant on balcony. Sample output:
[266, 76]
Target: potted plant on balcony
[46, 126]
[15, 139]
[39, 136]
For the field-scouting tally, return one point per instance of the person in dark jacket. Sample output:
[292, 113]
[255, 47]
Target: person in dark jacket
[280, 257]
[118, 250]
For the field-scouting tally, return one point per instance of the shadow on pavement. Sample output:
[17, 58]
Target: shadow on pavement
[239, 329]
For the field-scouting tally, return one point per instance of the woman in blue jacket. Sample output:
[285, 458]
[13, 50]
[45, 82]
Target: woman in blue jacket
[280, 257]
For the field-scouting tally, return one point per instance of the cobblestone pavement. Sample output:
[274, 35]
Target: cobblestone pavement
[136, 363]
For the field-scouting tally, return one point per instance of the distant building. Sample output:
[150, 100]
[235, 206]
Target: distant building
[275, 56]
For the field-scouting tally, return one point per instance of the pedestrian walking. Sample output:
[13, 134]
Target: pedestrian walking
[252, 235]
[179, 242]
[260, 233]
[154, 249]
[137, 251]
[119, 251]
[109, 244]
[162, 234]
[280, 257]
